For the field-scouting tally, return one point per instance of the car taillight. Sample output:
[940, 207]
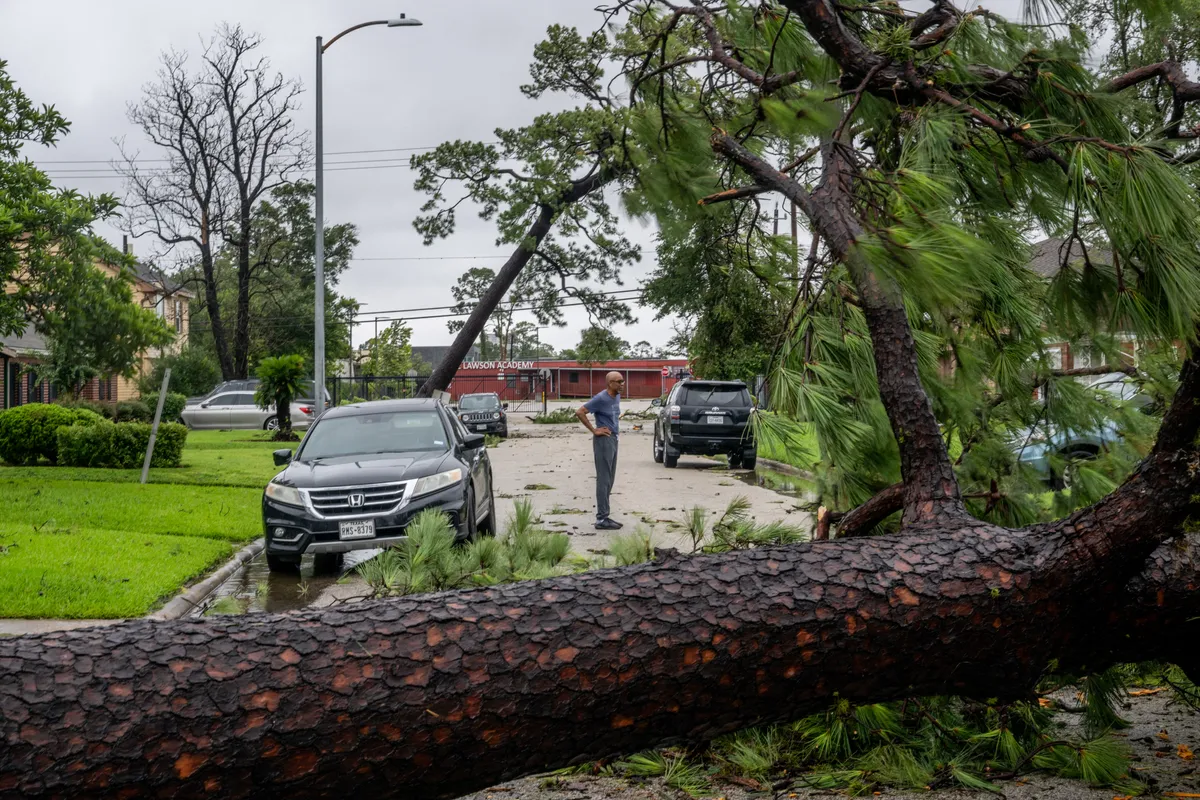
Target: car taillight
[306, 410]
[674, 413]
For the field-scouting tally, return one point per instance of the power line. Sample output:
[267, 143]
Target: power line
[75, 174]
[441, 308]
[424, 258]
[280, 321]
[156, 160]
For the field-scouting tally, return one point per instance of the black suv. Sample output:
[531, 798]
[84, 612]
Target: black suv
[706, 418]
[361, 474]
[484, 413]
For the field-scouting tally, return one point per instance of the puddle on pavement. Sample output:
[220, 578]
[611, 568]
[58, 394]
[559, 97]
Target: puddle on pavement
[256, 588]
[778, 482]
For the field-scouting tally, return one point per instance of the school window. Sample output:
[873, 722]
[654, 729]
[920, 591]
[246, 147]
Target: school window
[572, 377]
[511, 381]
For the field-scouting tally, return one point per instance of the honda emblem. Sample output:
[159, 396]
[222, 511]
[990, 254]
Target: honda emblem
[356, 500]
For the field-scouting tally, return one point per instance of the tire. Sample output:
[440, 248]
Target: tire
[282, 563]
[327, 563]
[504, 432]
[272, 424]
[467, 531]
[1060, 482]
[658, 450]
[488, 526]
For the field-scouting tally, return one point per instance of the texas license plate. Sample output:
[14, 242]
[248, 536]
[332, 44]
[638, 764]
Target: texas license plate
[718, 420]
[357, 529]
[480, 427]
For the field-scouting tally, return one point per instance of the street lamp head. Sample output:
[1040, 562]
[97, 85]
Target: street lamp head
[403, 22]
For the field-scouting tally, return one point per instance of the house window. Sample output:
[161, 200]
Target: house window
[104, 389]
[572, 377]
[37, 391]
[160, 307]
[14, 384]
[1055, 355]
[1087, 357]
[179, 316]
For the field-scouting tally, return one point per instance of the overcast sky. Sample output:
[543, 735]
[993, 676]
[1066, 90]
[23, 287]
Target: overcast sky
[455, 77]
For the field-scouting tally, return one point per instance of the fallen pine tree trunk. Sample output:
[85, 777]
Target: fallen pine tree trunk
[438, 695]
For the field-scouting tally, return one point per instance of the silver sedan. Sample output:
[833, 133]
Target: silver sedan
[236, 410]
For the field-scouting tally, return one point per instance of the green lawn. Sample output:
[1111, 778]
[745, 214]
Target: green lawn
[89, 573]
[96, 543]
[801, 452]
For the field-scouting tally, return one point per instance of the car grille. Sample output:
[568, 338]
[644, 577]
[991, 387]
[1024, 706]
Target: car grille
[482, 416]
[378, 499]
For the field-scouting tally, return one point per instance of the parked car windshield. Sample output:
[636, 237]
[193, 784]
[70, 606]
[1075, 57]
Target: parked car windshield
[715, 395]
[478, 402]
[373, 434]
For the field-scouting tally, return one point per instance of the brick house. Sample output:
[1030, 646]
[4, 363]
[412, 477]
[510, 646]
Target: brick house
[150, 290]
[1047, 260]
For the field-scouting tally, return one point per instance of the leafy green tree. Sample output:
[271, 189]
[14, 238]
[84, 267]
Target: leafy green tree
[281, 380]
[733, 296]
[597, 345]
[545, 186]
[390, 354]
[194, 371]
[93, 327]
[469, 291]
[282, 297]
[49, 259]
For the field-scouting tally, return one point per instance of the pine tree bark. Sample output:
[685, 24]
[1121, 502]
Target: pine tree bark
[444, 372]
[439, 695]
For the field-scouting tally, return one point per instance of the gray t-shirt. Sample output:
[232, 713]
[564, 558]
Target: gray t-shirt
[607, 410]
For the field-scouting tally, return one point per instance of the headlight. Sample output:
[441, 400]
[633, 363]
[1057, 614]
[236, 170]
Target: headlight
[284, 494]
[463, 417]
[496, 415]
[432, 483]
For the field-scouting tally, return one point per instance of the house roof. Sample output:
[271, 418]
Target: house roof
[1047, 258]
[27, 343]
[160, 280]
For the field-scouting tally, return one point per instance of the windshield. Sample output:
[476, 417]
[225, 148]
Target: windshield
[702, 395]
[478, 402]
[373, 434]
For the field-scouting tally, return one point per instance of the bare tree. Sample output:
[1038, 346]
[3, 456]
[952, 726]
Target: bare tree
[227, 134]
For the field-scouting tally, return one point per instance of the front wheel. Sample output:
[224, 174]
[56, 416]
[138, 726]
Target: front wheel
[272, 424]
[487, 527]
[466, 529]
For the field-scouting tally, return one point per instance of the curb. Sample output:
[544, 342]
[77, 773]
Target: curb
[787, 469]
[184, 603]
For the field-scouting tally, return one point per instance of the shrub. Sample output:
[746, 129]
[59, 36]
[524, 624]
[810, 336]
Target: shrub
[120, 445]
[193, 372]
[30, 432]
[85, 416]
[132, 411]
[103, 410]
[172, 407]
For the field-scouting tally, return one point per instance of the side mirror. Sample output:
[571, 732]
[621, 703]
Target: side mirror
[474, 441]
[656, 402]
[204, 405]
[504, 406]
[282, 456]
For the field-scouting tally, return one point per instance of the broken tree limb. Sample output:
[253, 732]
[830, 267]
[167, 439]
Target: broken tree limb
[438, 695]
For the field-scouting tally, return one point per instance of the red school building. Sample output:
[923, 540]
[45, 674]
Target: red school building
[563, 380]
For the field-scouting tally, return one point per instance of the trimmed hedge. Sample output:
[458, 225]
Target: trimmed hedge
[172, 407]
[120, 445]
[133, 411]
[30, 432]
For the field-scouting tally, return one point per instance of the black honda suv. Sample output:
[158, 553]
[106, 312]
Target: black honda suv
[706, 418]
[484, 413]
[361, 474]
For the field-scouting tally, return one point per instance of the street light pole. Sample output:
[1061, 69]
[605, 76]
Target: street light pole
[319, 210]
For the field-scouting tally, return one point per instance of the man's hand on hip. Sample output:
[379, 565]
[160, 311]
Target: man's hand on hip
[602, 431]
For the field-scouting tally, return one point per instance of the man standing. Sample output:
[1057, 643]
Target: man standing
[606, 406]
